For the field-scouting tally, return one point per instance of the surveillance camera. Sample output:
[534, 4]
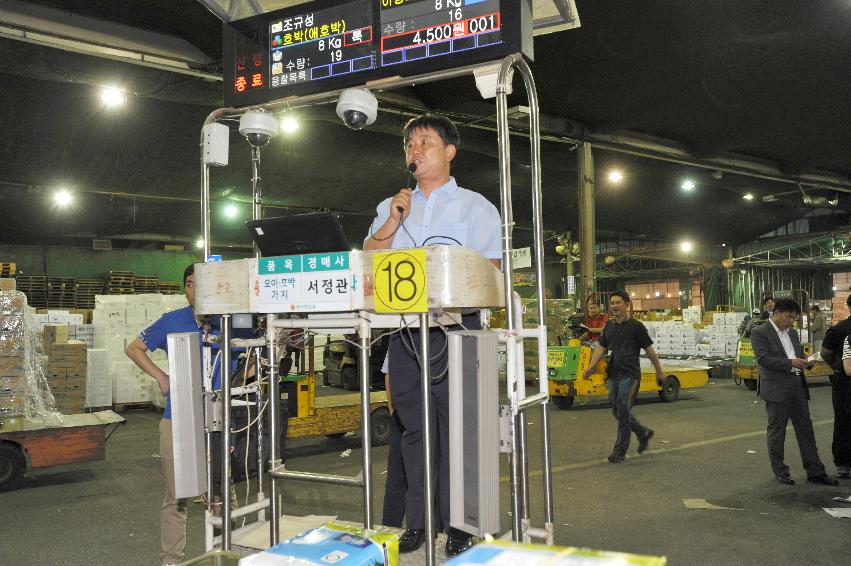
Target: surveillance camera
[258, 127]
[357, 108]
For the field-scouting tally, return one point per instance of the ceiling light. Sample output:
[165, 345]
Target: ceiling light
[289, 124]
[686, 246]
[834, 288]
[615, 176]
[748, 196]
[231, 211]
[200, 243]
[688, 185]
[723, 245]
[112, 96]
[658, 294]
[63, 197]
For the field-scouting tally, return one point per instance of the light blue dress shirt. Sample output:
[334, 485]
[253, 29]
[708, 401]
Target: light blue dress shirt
[451, 215]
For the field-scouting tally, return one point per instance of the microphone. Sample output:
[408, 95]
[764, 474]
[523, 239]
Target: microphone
[412, 167]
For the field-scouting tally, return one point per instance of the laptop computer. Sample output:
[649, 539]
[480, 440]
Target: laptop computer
[314, 232]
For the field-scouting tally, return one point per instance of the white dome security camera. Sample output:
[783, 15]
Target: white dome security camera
[357, 108]
[258, 127]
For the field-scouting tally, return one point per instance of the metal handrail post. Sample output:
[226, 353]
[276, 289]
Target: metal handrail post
[507, 265]
[256, 191]
[425, 377]
[365, 336]
[226, 428]
[274, 440]
[517, 61]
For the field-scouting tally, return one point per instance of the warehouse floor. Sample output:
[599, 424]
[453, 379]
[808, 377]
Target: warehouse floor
[710, 445]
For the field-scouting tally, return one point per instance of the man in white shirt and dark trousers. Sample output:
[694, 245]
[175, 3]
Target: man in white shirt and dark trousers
[784, 389]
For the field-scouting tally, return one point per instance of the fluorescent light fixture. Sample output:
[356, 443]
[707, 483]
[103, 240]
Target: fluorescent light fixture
[200, 243]
[748, 196]
[688, 185]
[615, 176]
[289, 124]
[112, 96]
[658, 294]
[231, 211]
[686, 246]
[63, 197]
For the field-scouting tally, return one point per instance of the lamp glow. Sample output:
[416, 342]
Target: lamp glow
[615, 176]
[200, 243]
[748, 196]
[688, 185]
[63, 197]
[112, 97]
[686, 246]
[231, 211]
[289, 125]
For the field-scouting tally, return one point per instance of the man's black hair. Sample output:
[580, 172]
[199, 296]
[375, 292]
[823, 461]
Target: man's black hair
[765, 300]
[440, 124]
[786, 305]
[848, 301]
[622, 294]
[815, 308]
[187, 272]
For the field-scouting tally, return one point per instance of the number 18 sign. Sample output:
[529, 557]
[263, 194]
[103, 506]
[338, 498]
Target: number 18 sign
[399, 281]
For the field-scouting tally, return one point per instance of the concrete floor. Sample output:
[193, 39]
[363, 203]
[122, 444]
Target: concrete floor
[709, 445]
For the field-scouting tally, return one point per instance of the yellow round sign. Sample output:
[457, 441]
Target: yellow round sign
[399, 281]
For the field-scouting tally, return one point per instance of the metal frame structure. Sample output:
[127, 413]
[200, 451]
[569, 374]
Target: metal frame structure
[363, 321]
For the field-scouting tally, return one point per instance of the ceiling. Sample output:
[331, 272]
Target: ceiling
[762, 85]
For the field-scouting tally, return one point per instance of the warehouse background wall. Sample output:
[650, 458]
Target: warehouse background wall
[57, 261]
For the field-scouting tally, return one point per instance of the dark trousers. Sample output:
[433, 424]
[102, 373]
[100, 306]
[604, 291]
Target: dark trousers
[841, 386]
[796, 408]
[622, 394]
[406, 392]
[396, 484]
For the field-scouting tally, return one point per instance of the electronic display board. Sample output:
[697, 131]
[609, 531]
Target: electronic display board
[328, 45]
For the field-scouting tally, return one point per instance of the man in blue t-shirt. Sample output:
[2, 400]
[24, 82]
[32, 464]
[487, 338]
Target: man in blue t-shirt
[173, 512]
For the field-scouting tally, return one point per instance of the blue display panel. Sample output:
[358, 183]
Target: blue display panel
[332, 44]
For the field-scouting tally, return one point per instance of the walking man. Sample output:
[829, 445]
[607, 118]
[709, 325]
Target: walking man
[624, 337]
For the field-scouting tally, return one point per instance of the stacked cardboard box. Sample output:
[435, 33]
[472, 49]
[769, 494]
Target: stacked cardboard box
[719, 338]
[98, 382]
[117, 321]
[66, 368]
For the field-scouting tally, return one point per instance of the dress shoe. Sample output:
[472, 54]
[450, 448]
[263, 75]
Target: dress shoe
[457, 541]
[642, 443]
[616, 457]
[843, 472]
[787, 479]
[411, 540]
[823, 478]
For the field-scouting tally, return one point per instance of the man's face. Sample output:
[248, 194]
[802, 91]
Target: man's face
[617, 305]
[784, 319]
[189, 285]
[425, 147]
[593, 310]
[769, 305]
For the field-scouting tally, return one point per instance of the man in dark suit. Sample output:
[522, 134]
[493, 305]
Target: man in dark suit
[783, 388]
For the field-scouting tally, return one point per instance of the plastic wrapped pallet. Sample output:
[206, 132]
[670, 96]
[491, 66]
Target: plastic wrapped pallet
[329, 544]
[23, 385]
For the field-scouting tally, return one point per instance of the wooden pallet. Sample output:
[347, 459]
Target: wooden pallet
[121, 407]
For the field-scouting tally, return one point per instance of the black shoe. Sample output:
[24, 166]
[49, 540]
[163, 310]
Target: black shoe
[823, 478]
[642, 444]
[457, 541]
[787, 479]
[411, 540]
[616, 457]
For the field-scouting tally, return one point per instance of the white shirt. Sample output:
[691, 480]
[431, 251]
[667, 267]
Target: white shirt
[786, 340]
[451, 215]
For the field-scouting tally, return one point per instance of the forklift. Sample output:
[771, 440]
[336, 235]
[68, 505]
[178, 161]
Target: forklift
[745, 369]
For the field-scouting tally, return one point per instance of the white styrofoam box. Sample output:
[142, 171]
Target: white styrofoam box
[719, 318]
[41, 318]
[704, 350]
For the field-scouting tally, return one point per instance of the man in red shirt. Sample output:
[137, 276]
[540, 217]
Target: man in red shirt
[594, 323]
